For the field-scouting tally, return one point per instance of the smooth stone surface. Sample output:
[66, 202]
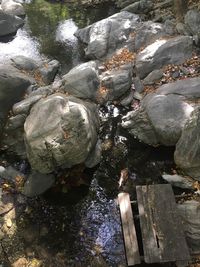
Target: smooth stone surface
[117, 82]
[190, 216]
[183, 29]
[168, 115]
[9, 24]
[179, 181]
[153, 77]
[138, 85]
[127, 100]
[159, 120]
[13, 85]
[94, 157]
[12, 8]
[192, 20]
[189, 88]
[104, 37]
[82, 81]
[138, 125]
[187, 151]
[37, 183]
[24, 106]
[147, 33]
[60, 132]
[15, 122]
[163, 52]
[24, 63]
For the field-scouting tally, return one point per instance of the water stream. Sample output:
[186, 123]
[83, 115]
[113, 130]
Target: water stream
[82, 226]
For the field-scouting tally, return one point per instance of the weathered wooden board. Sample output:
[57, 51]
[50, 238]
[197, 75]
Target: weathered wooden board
[130, 238]
[162, 231]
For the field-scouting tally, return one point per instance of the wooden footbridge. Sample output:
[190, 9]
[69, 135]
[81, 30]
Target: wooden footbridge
[162, 233]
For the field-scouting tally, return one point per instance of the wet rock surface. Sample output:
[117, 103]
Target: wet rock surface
[9, 24]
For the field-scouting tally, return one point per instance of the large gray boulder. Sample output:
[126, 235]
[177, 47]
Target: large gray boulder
[85, 82]
[190, 216]
[163, 52]
[60, 132]
[192, 21]
[162, 115]
[168, 115]
[117, 82]
[188, 88]
[138, 124]
[148, 33]
[82, 81]
[13, 85]
[9, 24]
[104, 37]
[159, 120]
[12, 8]
[187, 151]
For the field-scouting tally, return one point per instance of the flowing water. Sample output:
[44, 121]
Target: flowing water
[80, 227]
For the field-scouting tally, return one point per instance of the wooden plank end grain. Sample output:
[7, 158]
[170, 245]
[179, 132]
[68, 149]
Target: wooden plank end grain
[162, 234]
[129, 232]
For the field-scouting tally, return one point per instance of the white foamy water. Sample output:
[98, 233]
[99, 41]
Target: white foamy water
[22, 45]
[65, 32]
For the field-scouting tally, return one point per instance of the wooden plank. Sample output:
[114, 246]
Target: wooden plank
[162, 231]
[130, 238]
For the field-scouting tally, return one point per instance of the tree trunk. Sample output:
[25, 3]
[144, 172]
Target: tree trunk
[180, 8]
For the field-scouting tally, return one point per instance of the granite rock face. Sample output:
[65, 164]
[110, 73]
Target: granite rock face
[104, 37]
[82, 81]
[60, 132]
[162, 116]
[163, 52]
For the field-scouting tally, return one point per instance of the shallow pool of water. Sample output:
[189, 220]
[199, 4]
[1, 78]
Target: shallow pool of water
[53, 24]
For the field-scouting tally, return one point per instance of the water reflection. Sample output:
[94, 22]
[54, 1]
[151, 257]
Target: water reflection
[53, 24]
[101, 226]
[23, 44]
